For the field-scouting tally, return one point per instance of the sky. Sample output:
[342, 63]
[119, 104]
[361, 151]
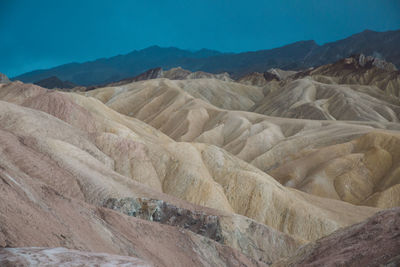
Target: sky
[38, 34]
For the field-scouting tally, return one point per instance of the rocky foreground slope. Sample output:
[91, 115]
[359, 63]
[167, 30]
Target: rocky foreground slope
[168, 172]
[369, 243]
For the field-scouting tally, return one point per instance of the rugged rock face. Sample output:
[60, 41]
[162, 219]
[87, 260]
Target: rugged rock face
[252, 238]
[370, 61]
[159, 211]
[374, 242]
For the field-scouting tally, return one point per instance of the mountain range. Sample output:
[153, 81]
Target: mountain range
[180, 168]
[295, 56]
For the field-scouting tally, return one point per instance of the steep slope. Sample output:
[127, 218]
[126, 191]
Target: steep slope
[299, 55]
[374, 242]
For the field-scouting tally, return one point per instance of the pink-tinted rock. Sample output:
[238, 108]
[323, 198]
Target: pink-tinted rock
[374, 242]
[52, 257]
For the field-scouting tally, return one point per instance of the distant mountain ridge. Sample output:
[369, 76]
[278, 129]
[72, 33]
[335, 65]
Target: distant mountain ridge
[107, 70]
[294, 56]
[55, 82]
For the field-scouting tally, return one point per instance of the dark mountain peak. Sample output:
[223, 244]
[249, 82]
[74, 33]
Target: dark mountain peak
[381, 45]
[206, 50]
[371, 34]
[304, 43]
[54, 82]
[308, 42]
[151, 48]
[204, 53]
[160, 49]
[366, 31]
[52, 78]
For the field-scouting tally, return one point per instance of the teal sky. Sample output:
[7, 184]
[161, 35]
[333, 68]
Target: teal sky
[45, 33]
